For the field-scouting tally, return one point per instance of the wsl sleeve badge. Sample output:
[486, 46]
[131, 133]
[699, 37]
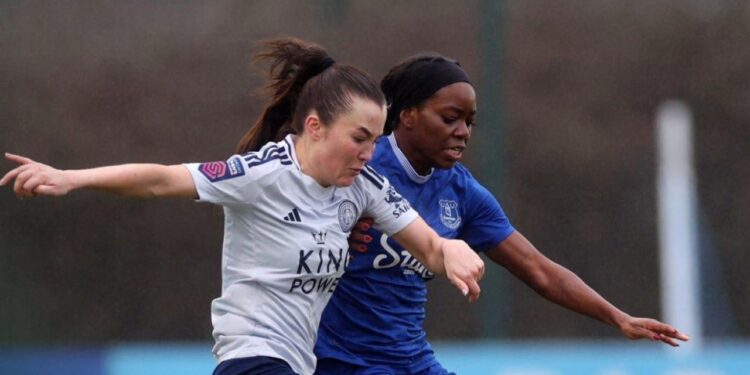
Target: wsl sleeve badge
[222, 170]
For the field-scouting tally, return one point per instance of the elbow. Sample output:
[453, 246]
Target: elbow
[540, 283]
[156, 190]
[545, 277]
[554, 283]
[538, 280]
[167, 181]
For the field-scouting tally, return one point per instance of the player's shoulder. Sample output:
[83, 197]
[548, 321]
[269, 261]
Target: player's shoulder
[241, 167]
[458, 174]
[462, 171]
[461, 180]
[273, 157]
[278, 152]
[369, 183]
[370, 178]
[384, 156]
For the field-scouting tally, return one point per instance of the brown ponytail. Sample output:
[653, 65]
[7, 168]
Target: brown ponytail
[303, 77]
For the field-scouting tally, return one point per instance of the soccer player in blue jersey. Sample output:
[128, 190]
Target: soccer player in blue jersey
[289, 207]
[373, 323]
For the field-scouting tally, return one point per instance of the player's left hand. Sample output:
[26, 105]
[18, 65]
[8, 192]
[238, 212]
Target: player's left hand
[636, 328]
[359, 239]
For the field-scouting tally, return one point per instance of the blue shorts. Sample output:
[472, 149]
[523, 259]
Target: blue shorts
[254, 366]
[331, 366]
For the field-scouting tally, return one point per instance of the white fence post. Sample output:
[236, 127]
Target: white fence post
[678, 229]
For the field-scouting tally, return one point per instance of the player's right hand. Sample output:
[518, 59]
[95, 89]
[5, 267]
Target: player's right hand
[33, 178]
[359, 239]
[463, 267]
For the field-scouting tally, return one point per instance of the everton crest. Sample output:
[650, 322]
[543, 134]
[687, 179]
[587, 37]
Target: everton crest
[449, 214]
[347, 215]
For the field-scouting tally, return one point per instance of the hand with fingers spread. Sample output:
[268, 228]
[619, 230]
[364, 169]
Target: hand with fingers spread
[463, 267]
[636, 328]
[359, 239]
[34, 178]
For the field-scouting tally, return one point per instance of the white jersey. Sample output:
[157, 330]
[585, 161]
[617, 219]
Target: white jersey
[285, 248]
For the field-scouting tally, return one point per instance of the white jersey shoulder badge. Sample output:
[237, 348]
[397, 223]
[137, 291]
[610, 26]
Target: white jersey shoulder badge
[348, 215]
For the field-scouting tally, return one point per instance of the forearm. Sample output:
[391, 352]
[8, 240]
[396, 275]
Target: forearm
[454, 258]
[432, 256]
[133, 180]
[551, 280]
[568, 290]
[560, 285]
[423, 243]
[435, 258]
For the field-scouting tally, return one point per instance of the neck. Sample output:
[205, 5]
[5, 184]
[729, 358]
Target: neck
[420, 164]
[306, 159]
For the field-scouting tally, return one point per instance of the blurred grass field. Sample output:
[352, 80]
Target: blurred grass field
[567, 357]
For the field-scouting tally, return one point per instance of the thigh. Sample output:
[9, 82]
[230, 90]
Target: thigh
[254, 366]
[330, 366]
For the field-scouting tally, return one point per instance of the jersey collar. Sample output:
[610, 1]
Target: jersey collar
[407, 167]
[289, 144]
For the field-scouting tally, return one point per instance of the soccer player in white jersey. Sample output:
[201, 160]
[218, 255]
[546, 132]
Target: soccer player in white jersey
[379, 303]
[289, 206]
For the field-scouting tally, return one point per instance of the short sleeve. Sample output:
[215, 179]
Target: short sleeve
[224, 182]
[487, 224]
[390, 211]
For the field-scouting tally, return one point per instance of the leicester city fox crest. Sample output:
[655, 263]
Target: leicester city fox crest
[348, 215]
[399, 204]
[449, 215]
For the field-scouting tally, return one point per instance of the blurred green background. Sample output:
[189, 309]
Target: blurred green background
[567, 98]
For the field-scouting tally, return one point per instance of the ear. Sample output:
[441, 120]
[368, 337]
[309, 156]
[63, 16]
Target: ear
[408, 117]
[313, 127]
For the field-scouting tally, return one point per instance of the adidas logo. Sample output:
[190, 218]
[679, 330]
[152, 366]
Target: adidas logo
[293, 216]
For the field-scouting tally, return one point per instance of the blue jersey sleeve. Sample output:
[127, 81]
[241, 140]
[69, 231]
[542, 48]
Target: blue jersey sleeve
[486, 225]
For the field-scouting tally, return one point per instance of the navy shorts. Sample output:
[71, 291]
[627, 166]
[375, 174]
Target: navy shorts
[254, 366]
[330, 366]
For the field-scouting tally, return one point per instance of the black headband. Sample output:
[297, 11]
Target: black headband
[417, 83]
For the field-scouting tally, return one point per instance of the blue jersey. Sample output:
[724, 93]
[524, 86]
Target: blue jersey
[376, 315]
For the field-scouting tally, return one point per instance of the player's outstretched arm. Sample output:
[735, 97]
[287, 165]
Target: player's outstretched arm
[461, 265]
[558, 284]
[135, 180]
